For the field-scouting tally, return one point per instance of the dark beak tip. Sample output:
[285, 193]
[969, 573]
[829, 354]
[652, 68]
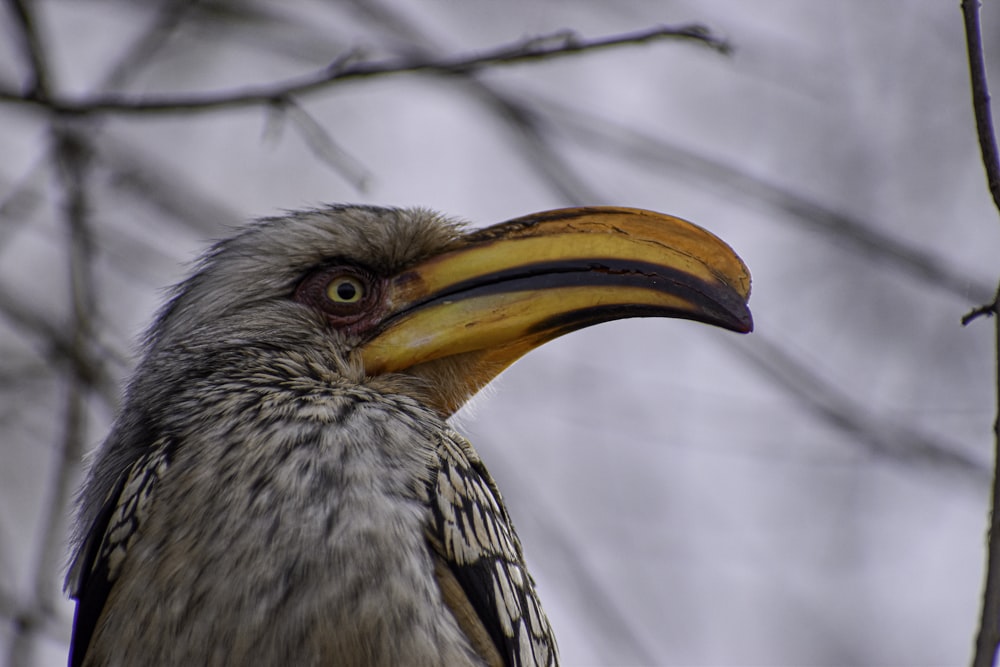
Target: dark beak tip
[730, 310]
[744, 318]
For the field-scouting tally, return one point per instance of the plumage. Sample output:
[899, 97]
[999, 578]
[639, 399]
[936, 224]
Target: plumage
[275, 491]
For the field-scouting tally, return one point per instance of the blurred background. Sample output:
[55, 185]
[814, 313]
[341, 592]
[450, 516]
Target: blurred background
[815, 493]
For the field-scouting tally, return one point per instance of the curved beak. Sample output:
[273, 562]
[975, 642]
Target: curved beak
[502, 291]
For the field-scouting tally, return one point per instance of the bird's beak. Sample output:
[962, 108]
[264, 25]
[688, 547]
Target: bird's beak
[461, 317]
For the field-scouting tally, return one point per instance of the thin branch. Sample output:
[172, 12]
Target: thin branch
[149, 178]
[345, 69]
[842, 412]
[600, 600]
[981, 98]
[531, 129]
[988, 309]
[70, 153]
[988, 635]
[324, 147]
[538, 150]
[43, 600]
[274, 28]
[20, 198]
[37, 85]
[143, 48]
[32, 619]
[84, 365]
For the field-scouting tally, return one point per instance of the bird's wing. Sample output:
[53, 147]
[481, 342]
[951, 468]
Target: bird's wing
[474, 538]
[99, 560]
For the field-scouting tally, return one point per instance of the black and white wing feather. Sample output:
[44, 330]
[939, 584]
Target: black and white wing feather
[474, 536]
[98, 562]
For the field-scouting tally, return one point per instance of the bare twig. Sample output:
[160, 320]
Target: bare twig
[148, 178]
[70, 155]
[981, 98]
[141, 50]
[84, 365]
[39, 620]
[600, 600]
[538, 147]
[987, 309]
[522, 51]
[838, 409]
[324, 147]
[43, 598]
[988, 636]
[37, 85]
[532, 130]
[20, 198]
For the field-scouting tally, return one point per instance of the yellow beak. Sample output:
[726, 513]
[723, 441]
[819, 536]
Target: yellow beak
[502, 291]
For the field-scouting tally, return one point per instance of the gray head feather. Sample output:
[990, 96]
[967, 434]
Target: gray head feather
[236, 310]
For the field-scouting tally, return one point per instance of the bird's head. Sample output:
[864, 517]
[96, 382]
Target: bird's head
[411, 302]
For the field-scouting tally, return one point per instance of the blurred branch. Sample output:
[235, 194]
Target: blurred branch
[82, 364]
[145, 46]
[988, 635]
[322, 145]
[842, 412]
[275, 28]
[348, 68]
[30, 619]
[148, 177]
[20, 198]
[538, 150]
[532, 129]
[43, 600]
[71, 156]
[602, 608]
[37, 86]
[860, 233]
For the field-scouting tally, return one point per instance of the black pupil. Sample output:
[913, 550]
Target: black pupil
[347, 291]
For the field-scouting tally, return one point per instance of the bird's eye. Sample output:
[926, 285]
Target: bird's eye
[346, 294]
[345, 290]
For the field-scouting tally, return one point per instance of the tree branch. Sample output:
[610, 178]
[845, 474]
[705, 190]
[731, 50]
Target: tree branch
[37, 86]
[348, 68]
[988, 636]
[981, 98]
[878, 437]
[71, 156]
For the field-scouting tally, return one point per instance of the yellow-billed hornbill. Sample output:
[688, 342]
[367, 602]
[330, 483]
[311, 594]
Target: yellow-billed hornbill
[281, 486]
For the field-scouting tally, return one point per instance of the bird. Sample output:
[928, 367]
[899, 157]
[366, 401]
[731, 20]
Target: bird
[282, 484]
